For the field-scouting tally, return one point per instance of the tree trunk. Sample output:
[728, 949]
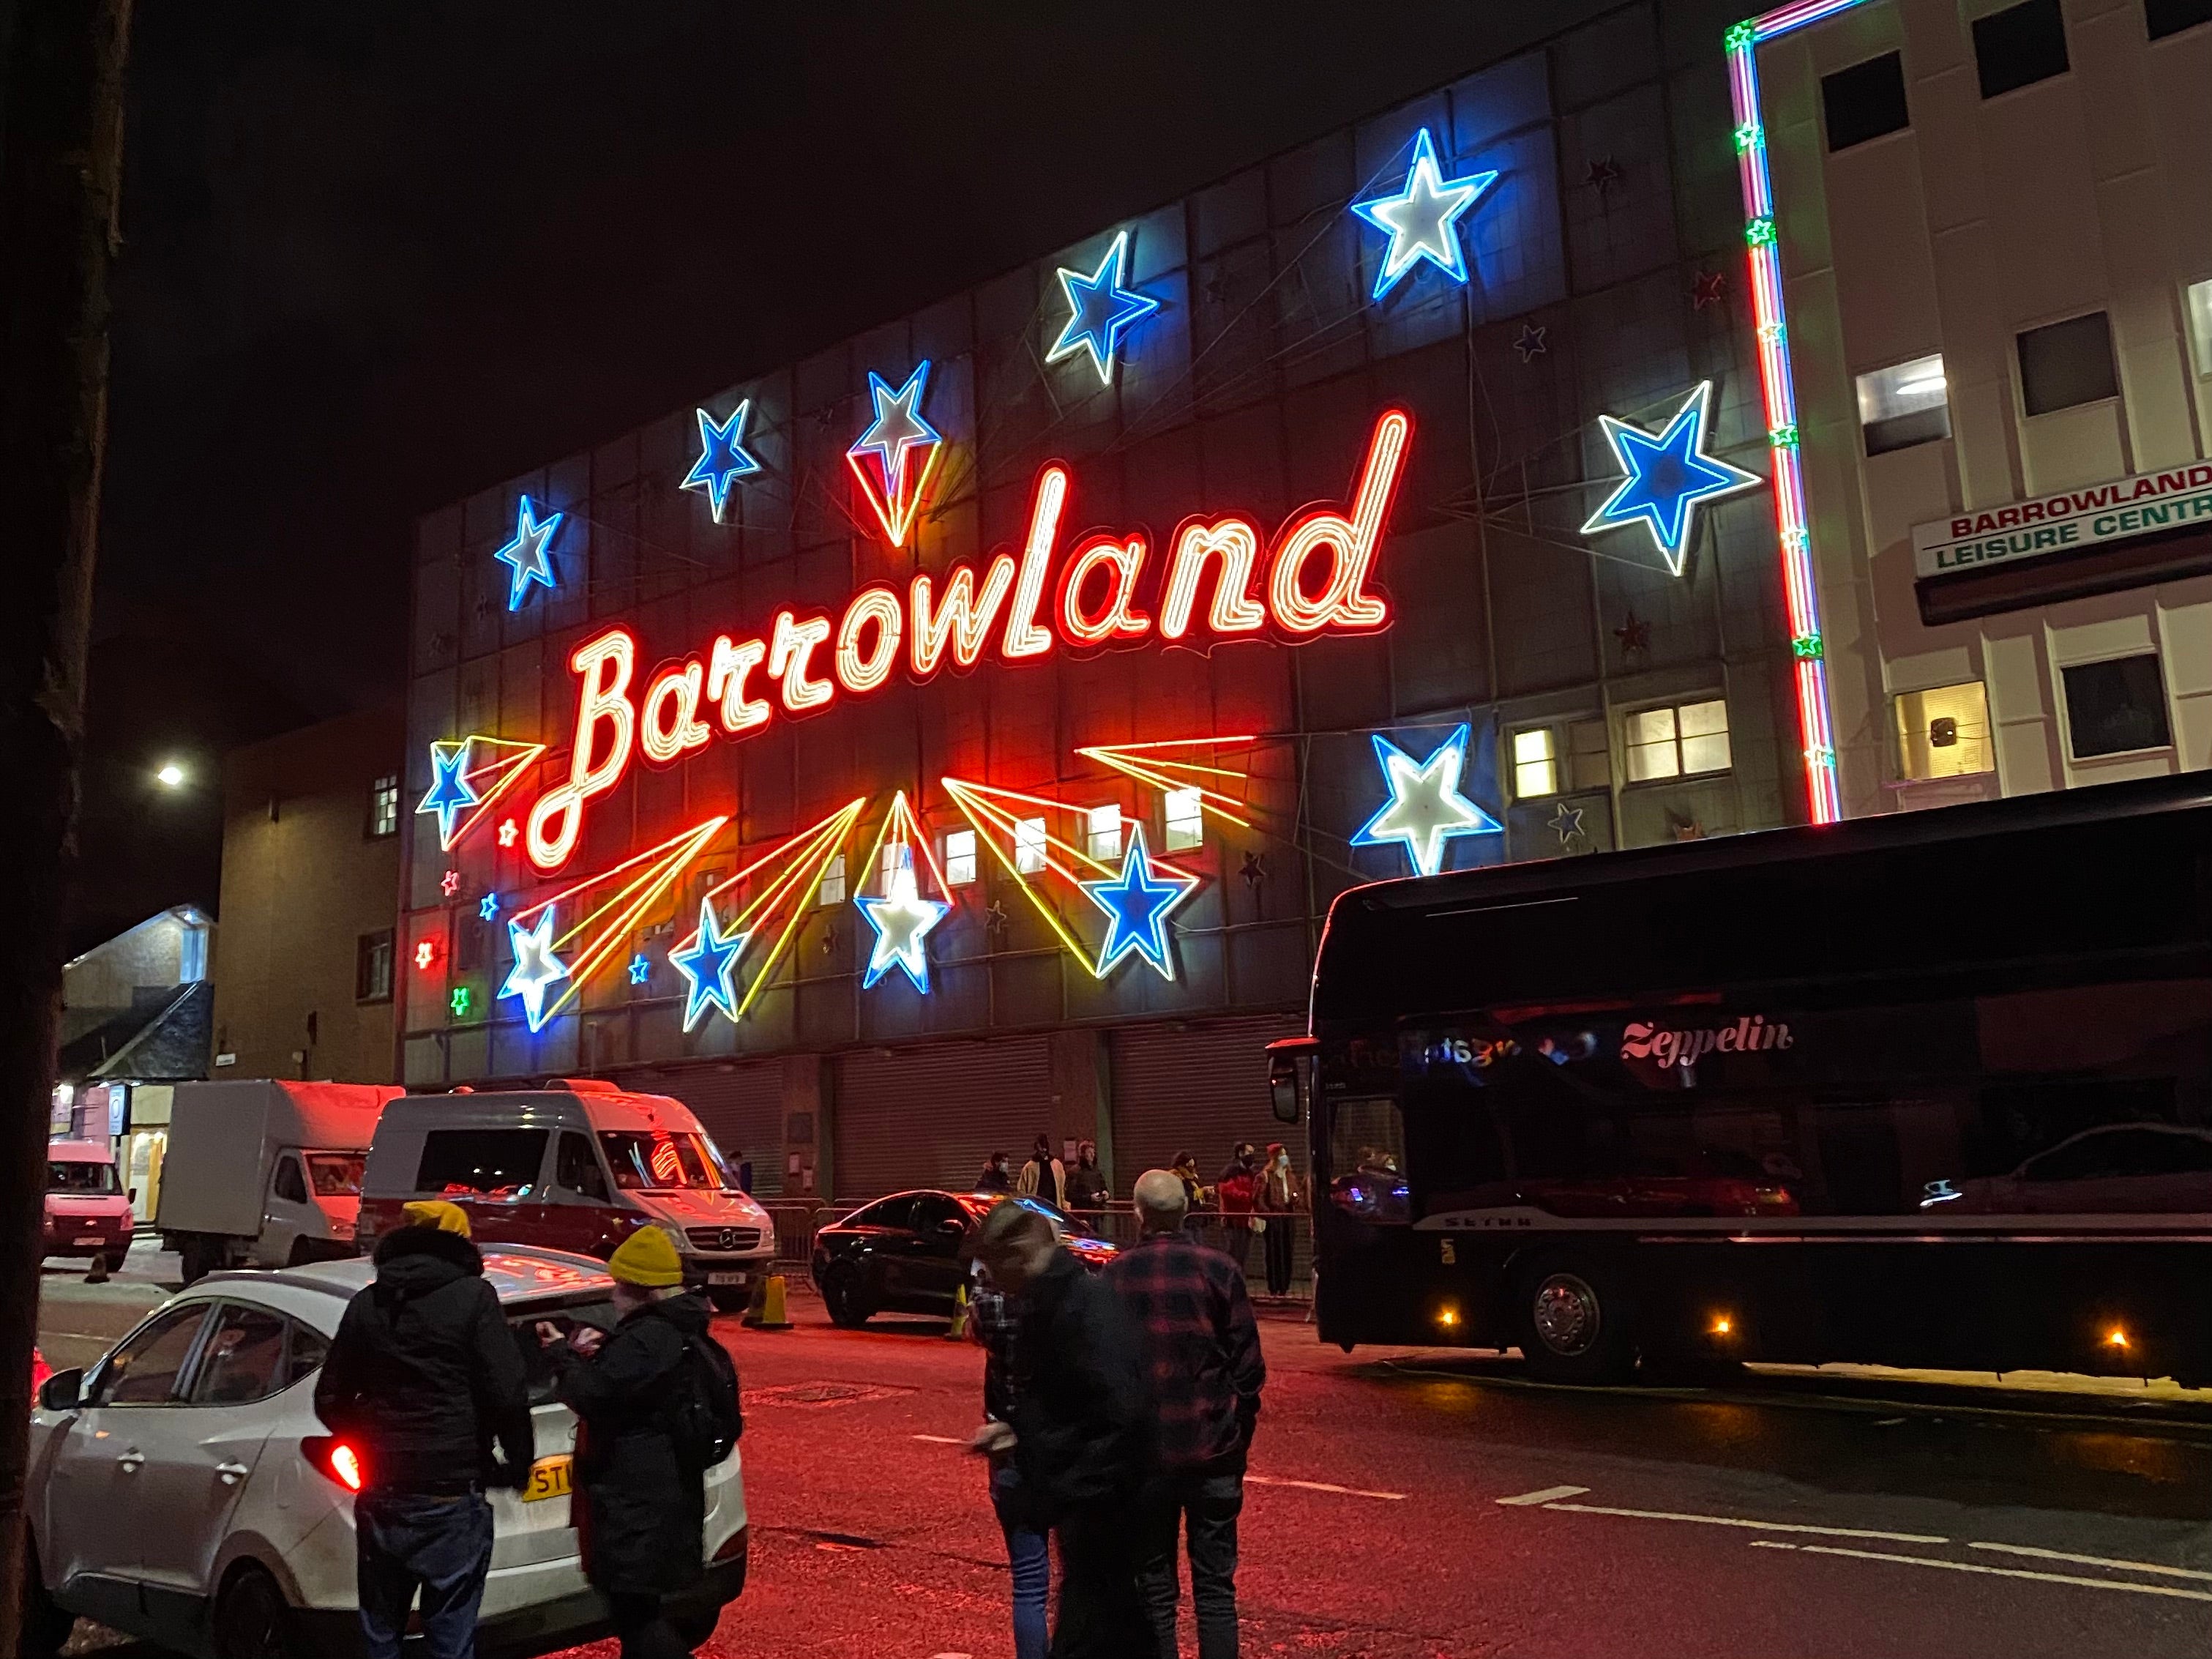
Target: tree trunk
[61, 153]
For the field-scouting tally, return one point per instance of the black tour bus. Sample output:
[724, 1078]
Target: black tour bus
[1930, 1088]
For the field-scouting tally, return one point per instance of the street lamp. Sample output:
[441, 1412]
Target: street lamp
[170, 776]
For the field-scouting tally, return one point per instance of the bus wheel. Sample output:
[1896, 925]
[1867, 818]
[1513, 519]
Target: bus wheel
[1573, 1327]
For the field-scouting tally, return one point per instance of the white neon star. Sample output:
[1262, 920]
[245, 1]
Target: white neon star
[535, 968]
[902, 919]
[1422, 221]
[1426, 809]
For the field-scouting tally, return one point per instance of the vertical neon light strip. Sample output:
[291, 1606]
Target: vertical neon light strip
[1793, 525]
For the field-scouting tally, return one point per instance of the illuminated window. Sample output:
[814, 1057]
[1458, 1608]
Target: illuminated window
[960, 858]
[1535, 763]
[384, 806]
[1029, 846]
[1186, 820]
[2200, 323]
[894, 857]
[832, 890]
[372, 967]
[1904, 404]
[1945, 733]
[1102, 832]
[1683, 741]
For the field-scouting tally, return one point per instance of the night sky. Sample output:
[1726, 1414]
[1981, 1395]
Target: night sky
[377, 256]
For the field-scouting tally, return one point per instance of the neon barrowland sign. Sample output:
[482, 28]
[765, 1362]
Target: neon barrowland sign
[1218, 579]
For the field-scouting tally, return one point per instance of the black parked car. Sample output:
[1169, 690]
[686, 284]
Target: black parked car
[910, 1253]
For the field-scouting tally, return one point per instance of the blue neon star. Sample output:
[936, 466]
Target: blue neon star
[1425, 809]
[640, 969]
[535, 966]
[1101, 310]
[706, 964]
[723, 457]
[526, 555]
[450, 791]
[1138, 906]
[1668, 476]
[1422, 220]
[902, 919]
[490, 908]
[898, 426]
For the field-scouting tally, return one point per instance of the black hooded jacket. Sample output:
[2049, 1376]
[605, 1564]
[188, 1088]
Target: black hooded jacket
[424, 1374]
[1081, 1434]
[642, 1513]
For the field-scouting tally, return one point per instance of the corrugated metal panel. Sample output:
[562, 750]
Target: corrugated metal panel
[928, 1117]
[742, 1108]
[1199, 1090]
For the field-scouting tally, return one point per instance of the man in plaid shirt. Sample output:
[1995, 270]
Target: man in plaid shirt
[1200, 1348]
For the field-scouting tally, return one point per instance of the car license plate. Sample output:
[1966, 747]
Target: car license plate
[726, 1279]
[92, 1238]
[549, 1478]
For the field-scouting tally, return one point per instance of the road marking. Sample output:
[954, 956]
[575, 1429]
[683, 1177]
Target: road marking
[1998, 1572]
[1548, 1495]
[1323, 1485]
[1755, 1526]
[2092, 1560]
[942, 1439]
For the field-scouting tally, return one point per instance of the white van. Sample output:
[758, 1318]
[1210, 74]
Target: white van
[578, 1165]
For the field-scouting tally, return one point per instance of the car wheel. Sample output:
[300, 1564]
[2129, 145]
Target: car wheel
[46, 1624]
[251, 1621]
[1573, 1321]
[842, 1295]
[695, 1626]
[729, 1298]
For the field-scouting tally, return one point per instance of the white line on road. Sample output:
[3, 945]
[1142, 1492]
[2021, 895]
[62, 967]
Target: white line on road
[1996, 1573]
[942, 1439]
[2092, 1560]
[1323, 1485]
[1755, 1526]
[1548, 1495]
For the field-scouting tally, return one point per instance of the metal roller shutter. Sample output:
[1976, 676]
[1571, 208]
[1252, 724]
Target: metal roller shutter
[1199, 1090]
[928, 1117]
[741, 1108]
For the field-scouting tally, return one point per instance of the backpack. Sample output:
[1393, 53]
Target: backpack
[704, 1418]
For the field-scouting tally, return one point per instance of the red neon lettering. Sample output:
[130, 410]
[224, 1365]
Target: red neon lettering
[859, 671]
[1023, 637]
[665, 738]
[1121, 561]
[1351, 543]
[606, 664]
[727, 673]
[791, 648]
[965, 621]
[1234, 610]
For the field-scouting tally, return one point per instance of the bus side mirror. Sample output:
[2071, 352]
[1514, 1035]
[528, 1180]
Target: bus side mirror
[1282, 1095]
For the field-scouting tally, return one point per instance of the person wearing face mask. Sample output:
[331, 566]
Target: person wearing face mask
[1279, 1197]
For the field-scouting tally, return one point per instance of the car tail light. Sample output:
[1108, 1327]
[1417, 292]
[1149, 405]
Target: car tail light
[334, 1460]
[39, 1372]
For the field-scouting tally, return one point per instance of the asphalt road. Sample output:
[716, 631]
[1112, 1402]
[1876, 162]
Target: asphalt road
[1408, 1506]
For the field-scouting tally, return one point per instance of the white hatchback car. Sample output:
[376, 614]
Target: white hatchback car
[183, 1491]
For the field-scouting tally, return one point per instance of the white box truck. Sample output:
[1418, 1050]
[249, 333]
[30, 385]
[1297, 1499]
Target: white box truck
[266, 1173]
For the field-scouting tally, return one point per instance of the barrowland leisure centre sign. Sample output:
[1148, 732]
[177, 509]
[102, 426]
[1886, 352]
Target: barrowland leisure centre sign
[2176, 498]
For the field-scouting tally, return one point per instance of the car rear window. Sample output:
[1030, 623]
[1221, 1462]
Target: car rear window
[494, 1163]
[536, 1363]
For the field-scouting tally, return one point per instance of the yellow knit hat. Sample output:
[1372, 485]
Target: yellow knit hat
[647, 1258]
[437, 1213]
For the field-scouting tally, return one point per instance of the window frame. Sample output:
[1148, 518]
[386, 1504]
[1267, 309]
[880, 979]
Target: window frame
[1549, 759]
[1182, 831]
[963, 857]
[1096, 832]
[1860, 70]
[365, 947]
[382, 822]
[281, 1377]
[2074, 755]
[1682, 774]
[1881, 435]
[98, 1390]
[2020, 337]
[834, 887]
[1032, 846]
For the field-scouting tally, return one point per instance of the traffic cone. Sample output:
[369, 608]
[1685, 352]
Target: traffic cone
[769, 1312]
[957, 1331]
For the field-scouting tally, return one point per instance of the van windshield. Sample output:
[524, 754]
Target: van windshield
[336, 1174]
[75, 1178]
[643, 1159]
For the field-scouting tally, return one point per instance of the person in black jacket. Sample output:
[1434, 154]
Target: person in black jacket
[421, 1378]
[1077, 1436]
[643, 1508]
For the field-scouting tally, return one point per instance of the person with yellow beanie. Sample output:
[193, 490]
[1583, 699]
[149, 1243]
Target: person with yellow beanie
[643, 1502]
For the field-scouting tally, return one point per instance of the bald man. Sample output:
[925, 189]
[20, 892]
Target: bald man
[1200, 1348]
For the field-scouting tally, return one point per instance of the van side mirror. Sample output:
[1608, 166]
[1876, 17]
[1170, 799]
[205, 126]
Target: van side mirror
[132, 1196]
[63, 1391]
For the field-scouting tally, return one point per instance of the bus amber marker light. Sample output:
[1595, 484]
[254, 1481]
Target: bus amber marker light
[1722, 1325]
[2116, 1338]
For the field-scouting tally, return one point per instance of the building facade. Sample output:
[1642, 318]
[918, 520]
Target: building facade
[1995, 231]
[961, 733]
[306, 972]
